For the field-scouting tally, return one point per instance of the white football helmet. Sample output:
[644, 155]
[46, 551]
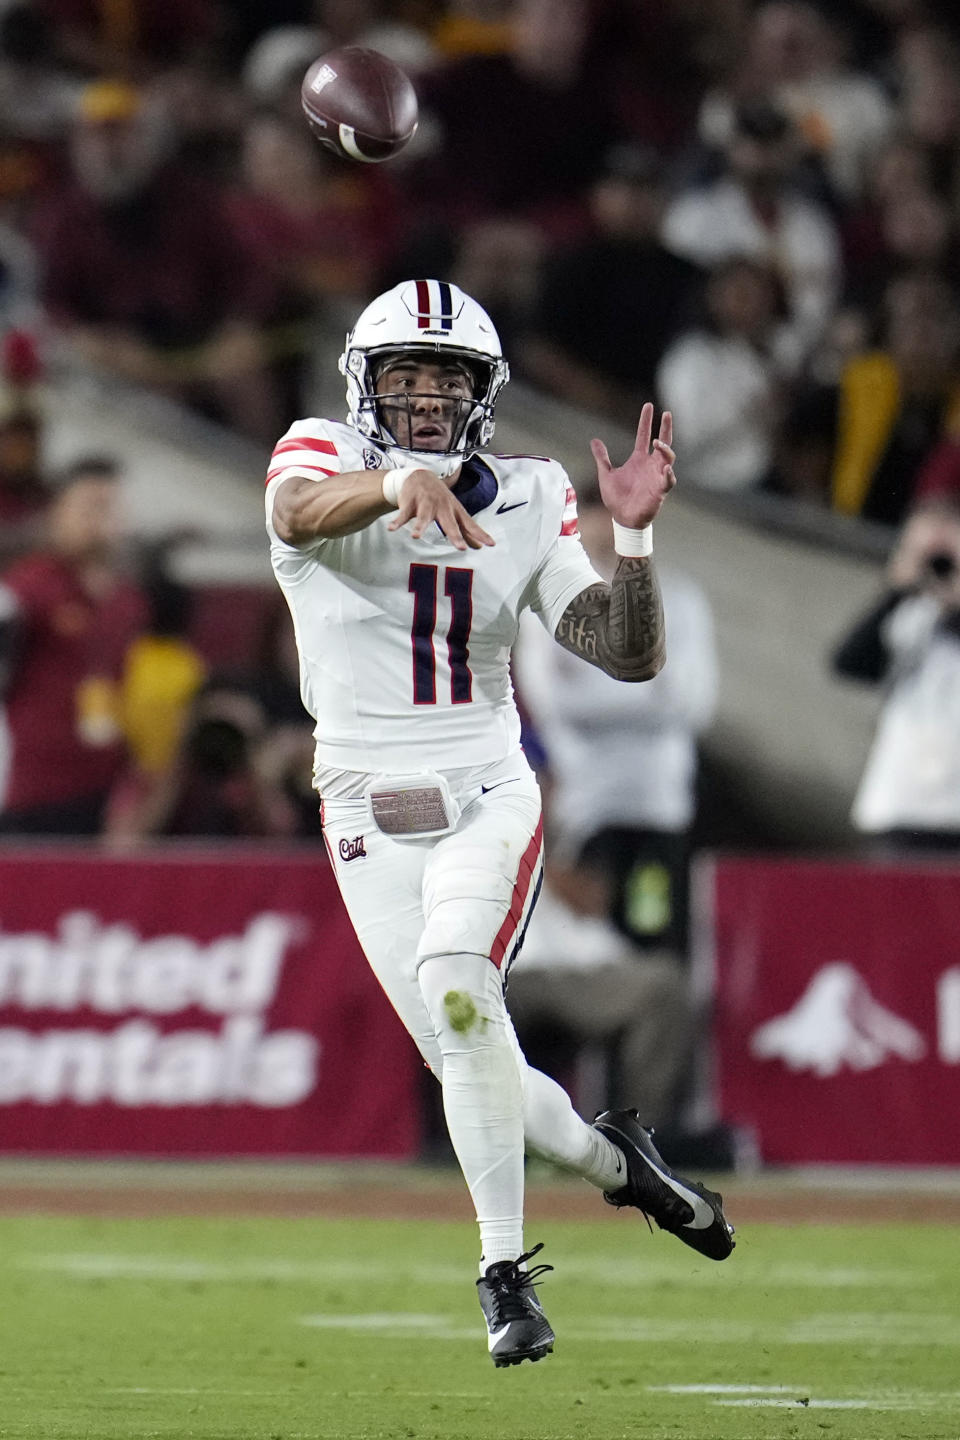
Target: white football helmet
[429, 319]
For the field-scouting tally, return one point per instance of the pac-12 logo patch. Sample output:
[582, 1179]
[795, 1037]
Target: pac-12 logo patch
[352, 849]
[371, 459]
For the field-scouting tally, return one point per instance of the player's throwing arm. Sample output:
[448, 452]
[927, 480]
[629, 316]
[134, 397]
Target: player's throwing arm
[304, 511]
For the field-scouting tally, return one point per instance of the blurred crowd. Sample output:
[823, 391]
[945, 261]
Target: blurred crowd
[746, 211]
[118, 720]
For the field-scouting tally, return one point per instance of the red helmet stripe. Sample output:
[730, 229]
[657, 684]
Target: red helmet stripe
[423, 304]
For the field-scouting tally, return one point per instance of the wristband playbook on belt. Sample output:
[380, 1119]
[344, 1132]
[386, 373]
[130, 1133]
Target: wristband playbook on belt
[412, 806]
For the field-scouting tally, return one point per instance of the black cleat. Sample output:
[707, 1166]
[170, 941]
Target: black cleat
[685, 1208]
[518, 1329]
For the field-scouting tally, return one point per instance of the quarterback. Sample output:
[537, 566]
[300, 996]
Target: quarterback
[406, 552]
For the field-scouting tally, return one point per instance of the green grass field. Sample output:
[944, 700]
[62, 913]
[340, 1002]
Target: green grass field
[282, 1329]
[259, 1329]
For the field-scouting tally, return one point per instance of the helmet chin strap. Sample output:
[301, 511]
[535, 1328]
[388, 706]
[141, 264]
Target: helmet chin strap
[441, 464]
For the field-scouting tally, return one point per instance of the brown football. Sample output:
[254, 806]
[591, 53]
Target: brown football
[359, 103]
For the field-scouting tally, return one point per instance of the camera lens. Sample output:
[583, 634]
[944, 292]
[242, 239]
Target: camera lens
[941, 565]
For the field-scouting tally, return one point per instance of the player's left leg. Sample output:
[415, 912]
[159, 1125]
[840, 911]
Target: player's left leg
[684, 1208]
[482, 1085]
[479, 888]
[479, 885]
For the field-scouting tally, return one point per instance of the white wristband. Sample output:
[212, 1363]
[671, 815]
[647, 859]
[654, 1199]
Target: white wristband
[632, 542]
[393, 481]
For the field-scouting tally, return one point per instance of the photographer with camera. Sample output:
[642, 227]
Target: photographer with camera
[909, 794]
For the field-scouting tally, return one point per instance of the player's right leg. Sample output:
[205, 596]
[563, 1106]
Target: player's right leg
[380, 882]
[471, 1050]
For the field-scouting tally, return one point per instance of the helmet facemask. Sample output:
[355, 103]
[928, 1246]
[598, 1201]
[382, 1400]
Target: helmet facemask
[396, 411]
[388, 418]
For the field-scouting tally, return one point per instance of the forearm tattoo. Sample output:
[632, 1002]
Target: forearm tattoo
[618, 627]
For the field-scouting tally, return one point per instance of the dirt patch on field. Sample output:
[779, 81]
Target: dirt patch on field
[747, 1202]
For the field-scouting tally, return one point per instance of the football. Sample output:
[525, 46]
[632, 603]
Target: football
[359, 103]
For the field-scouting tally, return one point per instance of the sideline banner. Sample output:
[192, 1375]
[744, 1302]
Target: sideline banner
[837, 1008]
[209, 1002]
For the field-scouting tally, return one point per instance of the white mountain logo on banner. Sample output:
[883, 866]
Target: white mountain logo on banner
[836, 1023]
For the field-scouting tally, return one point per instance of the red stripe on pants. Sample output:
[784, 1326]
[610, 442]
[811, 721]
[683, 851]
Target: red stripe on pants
[521, 890]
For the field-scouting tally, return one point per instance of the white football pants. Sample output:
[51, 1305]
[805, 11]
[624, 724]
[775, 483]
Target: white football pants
[439, 921]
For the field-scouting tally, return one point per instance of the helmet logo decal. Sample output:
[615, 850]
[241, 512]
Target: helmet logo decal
[427, 316]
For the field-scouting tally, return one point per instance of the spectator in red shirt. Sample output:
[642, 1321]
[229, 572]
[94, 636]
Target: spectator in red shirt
[320, 232]
[325, 230]
[142, 272]
[67, 616]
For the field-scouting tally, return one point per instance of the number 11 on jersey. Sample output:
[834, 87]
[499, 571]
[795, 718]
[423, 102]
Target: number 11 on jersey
[458, 587]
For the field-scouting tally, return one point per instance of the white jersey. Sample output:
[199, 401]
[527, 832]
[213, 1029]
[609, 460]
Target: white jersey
[405, 644]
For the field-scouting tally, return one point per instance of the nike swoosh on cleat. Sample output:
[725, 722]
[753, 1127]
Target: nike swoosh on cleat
[496, 1335]
[502, 509]
[703, 1216]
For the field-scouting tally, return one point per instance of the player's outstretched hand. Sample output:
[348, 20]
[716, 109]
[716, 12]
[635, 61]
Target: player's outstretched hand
[425, 498]
[634, 491]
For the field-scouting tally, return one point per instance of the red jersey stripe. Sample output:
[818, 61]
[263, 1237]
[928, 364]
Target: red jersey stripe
[521, 890]
[302, 442]
[569, 527]
[279, 469]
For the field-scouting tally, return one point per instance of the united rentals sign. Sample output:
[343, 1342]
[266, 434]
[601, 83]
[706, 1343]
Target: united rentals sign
[112, 970]
[193, 1003]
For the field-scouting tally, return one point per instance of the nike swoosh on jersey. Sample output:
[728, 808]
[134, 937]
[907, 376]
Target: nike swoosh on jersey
[485, 789]
[502, 509]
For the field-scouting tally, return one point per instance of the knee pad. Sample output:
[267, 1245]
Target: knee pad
[467, 890]
[479, 888]
[464, 998]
